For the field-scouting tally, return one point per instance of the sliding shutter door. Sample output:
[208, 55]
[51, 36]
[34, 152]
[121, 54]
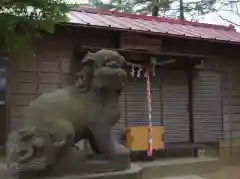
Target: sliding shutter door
[175, 106]
[207, 111]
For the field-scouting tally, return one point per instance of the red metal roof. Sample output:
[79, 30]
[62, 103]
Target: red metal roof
[142, 23]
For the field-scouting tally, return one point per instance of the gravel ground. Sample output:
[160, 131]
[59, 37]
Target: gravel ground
[184, 177]
[227, 172]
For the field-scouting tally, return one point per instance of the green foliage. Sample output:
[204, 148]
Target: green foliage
[199, 8]
[22, 20]
[132, 6]
[166, 8]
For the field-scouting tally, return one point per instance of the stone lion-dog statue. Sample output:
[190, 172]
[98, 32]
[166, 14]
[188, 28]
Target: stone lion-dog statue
[55, 121]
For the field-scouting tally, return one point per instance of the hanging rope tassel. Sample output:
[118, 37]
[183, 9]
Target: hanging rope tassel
[149, 153]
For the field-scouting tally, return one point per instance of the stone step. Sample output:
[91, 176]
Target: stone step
[178, 167]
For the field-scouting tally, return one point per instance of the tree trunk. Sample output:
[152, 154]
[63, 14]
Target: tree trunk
[155, 11]
[155, 8]
[181, 10]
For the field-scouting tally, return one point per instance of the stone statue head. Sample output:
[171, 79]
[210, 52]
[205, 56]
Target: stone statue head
[102, 70]
[30, 150]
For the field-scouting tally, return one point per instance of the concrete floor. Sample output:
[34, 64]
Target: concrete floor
[184, 177]
[224, 172]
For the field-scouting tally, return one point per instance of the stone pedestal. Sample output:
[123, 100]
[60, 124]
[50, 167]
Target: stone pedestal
[74, 162]
[134, 172]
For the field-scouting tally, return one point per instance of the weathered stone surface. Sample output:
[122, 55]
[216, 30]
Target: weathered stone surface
[134, 172]
[56, 121]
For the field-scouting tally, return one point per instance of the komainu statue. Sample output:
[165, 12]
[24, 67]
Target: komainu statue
[56, 121]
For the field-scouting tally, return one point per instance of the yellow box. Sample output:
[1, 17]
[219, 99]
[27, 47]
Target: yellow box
[136, 138]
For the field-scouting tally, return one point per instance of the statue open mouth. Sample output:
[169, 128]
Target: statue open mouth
[107, 77]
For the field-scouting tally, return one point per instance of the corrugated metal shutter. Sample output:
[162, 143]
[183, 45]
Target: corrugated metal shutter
[175, 106]
[134, 104]
[137, 110]
[156, 99]
[207, 111]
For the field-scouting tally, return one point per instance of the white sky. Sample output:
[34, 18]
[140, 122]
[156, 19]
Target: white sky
[211, 18]
[214, 18]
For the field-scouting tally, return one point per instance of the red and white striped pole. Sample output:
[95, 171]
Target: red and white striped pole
[150, 149]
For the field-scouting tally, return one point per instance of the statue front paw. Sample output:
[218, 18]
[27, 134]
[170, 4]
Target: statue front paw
[121, 151]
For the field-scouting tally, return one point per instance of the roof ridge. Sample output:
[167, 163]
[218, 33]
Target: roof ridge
[151, 18]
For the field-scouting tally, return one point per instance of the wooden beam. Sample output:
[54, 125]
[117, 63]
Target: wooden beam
[150, 53]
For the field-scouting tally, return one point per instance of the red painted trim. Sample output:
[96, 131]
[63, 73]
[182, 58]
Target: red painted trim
[152, 18]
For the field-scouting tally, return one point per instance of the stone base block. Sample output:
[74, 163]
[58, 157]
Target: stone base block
[134, 172]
